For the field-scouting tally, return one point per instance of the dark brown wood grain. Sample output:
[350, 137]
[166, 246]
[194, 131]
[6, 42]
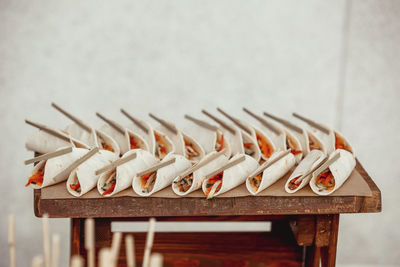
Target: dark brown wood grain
[303, 228]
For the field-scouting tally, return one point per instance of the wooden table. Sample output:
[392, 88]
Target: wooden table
[304, 229]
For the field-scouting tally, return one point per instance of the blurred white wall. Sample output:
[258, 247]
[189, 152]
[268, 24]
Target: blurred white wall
[177, 57]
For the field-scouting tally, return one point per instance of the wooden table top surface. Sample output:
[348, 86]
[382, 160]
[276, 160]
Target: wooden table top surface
[128, 207]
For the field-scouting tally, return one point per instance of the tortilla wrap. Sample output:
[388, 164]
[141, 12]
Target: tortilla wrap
[43, 142]
[249, 139]
[279, 140]
[292, 142]
[336, 140]
[124, 173]
[273, 173]
[340, 169]
[198, 176]
[271, 148]
[104, 141]
[234, 176]
[85, 173]
[123, 140]
[161, 138]
[176, 139]
[148, 137]
[55, 165]
[312, 160]
[192, 146]
[205, 137]
[235, 140]
[314, 138]
[164, 175]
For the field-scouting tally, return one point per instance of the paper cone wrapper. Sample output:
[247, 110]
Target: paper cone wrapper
[56, 165]
[235, 175]
[340, 169]
[273, 173]
[200, 174]
[125, 172]
[85, 173]
[312, 160]
[164, 176]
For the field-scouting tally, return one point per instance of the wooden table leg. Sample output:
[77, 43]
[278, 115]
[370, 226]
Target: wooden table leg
[328, 253]
[77, 231]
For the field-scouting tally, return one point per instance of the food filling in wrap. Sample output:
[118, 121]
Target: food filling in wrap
[256, 181]
[293, 184]
[265, 147]
[75, 185]
[325, 181]
[291, 144]
[216, 179]
[249, 148]
[340, 143]
[109, 185]
[313, 143]
[133, 143]
[185, 183]
[191, 151]
[37, 178]
[104, 144]
[219, 145]
[147, 181]
[161, 146]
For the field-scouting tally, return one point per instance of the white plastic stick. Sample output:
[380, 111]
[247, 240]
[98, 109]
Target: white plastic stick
[46, 240]
[106, 258]
[11, 238]
[90, 242]
[130, 251]
[77, 261]
[115, 245]
[37, 261]
[156, 260]
[55, 250]
[149, 243]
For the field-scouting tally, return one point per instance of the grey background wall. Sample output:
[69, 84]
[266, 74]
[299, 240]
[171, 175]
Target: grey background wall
[335, 61]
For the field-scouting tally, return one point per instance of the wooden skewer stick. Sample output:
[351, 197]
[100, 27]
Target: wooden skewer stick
[226, 166]
[149, 243]
[90, 242]
[201, 123]
[268, 163]
[77, 261]
[312, 123]
[326, 164]
[156, 260]
[135, 121]
[301, 178]
[156, 167]
[37, 261]
[219, 121]
[116, 163]
[119, 128]
[130, 251]
[164, 123]
[200, 164]
[49, 130]
[105, 258]
[115, 245]
[285, 122]
[263, 121]
[75, 164]
[55, 250]
[46, 240]
[213, 190]
[11, 238]
[235, 121]
[49, 155]
[72, 117]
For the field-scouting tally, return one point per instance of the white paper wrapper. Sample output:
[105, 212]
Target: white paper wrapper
[125, 172]
[148, 137]
[274, 172]
[55, 165]
[199, 175]
[85, 173]
[340, 169]
[235, 175]
[43, 143]
[312, 160]
[164, 176]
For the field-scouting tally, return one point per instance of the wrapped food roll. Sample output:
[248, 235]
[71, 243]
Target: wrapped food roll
[310, 162]
[43, 142]
[333, 140]
[152, 182]
[235, 140]
[95, 138]
[193, 150]
[271, 174]
[127, 141]
[43, 173]
[193, 181]
[176, 138]
[232, 177]
[341, 142]
[250, 146]
[222, 143]
[293, 143]
[163, 145]
[148, 135]
[265, 144]
[120, 178]
[83, 178]
[329, 180]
